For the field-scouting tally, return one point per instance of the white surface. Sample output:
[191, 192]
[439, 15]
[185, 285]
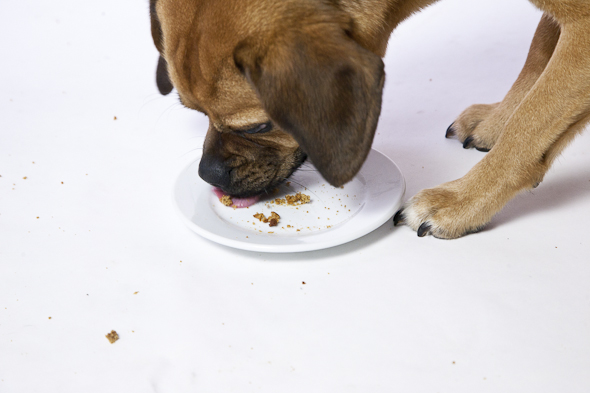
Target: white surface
[505, 310]
[334, 216]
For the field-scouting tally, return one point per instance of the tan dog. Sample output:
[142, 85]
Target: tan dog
[282, 80]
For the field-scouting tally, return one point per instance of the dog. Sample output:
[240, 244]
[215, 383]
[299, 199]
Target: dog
[286, 80]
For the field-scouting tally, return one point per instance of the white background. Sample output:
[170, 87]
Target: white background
[505, 310]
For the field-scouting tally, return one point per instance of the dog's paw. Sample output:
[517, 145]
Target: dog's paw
[447, 212]
[479, 127]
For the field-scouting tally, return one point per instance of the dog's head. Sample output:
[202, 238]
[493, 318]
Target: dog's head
[280, 80]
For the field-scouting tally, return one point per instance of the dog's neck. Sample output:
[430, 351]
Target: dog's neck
[376, 19]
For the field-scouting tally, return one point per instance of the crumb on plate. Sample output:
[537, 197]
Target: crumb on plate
[272, 220]
[293, 200]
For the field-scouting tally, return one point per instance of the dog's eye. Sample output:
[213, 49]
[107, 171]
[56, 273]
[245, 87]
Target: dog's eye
[260, 128]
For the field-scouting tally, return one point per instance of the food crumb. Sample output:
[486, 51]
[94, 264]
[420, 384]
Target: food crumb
[293, 200]
[272, 220]
[136, 292]
[226, 200]
[112, 336]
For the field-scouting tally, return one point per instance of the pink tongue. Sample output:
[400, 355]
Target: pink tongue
[237, 202]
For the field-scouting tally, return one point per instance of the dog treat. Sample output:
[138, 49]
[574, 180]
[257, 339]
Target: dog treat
[226, 200]
[112, 336]
[272, 220]
[293, 200]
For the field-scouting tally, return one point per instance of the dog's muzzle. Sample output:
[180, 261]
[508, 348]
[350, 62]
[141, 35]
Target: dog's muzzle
[214, 171]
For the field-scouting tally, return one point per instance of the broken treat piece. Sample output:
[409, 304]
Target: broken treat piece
[303, 198]
[112, 336]
[226, 200]
[261, 217]
[293, 200]
[272, 220]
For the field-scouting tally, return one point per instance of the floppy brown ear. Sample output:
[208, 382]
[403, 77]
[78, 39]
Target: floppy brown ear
[322, 88]
[162, 78]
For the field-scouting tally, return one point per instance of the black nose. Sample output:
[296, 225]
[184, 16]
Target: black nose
[213, 170]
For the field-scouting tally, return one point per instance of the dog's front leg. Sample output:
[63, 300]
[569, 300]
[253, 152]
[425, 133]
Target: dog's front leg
[480, 125]
[553, 111]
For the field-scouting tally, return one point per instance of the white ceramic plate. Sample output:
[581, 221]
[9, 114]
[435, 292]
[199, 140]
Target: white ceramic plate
[334, 216]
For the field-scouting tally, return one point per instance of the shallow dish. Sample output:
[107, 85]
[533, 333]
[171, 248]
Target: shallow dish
[334, 216]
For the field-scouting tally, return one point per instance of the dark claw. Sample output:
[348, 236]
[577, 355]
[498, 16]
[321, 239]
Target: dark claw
[482, 149]
[398, 218]
[424, 229]
[467, 143]
[536, 184]
[450, 131]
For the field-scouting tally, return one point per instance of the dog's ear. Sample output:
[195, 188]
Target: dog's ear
[162, 78]
[322, 88]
